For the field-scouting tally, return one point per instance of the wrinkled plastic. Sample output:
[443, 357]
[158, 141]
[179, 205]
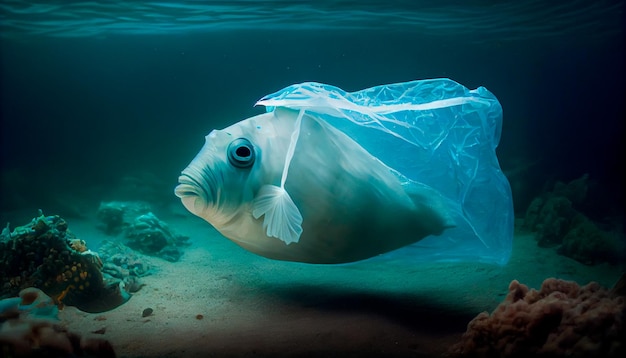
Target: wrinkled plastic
[436, 132]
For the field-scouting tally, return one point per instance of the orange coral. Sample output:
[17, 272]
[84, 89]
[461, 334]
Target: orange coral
[59, 298]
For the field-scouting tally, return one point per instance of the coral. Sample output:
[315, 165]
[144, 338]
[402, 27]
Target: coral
[121, 262]
[124, 264]
[29, 328]
[152, 236]
[78, 245]
[561, 319]
[143, 231]
[6, 233]
[556, 217]
[532, 219]
[558, 203]
[42, 254]
[588, 244]
[132, 284]
[556, 221]
[117, 216]
[575, 191]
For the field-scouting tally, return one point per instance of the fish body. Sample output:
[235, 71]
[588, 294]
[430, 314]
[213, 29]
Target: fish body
[352, 205]
[328, 176]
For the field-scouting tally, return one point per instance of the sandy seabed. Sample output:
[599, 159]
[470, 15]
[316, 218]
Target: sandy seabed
[220, 300]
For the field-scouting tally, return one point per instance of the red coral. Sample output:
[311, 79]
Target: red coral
[561, 319]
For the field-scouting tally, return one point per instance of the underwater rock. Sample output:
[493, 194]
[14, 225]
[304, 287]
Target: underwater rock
[557, 222]
[29, 328]
[117, 216]
[575, 190]
[143, 231]
[147, 312]
[553, 221]
[564, 195]
[562, 319]
[132, 284]
[121, 263]
[124, 259]
[46, 255]
[149, 235]
[587, 243]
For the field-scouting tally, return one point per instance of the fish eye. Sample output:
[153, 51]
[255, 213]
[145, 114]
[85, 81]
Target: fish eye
[241, 153]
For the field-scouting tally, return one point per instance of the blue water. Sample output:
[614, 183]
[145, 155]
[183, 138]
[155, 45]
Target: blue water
[481, 20]
[93, 90]
[110, 100]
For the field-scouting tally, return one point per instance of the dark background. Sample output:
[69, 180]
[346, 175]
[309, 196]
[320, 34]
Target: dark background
[80, 113]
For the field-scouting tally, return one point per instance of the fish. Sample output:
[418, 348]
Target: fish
[290, 185]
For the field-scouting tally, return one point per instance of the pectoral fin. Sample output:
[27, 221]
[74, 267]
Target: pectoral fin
[282, 218]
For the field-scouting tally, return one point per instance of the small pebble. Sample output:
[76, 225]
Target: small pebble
[147, 312]
[199, 316]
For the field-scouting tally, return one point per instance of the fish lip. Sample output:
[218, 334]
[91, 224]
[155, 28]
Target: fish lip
[188, 186]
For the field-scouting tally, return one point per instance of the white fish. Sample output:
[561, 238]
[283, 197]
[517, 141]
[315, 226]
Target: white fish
[341, 203]
[328, 176]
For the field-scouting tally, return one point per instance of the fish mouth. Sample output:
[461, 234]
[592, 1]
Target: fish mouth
[192, 193]
[187, 186]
